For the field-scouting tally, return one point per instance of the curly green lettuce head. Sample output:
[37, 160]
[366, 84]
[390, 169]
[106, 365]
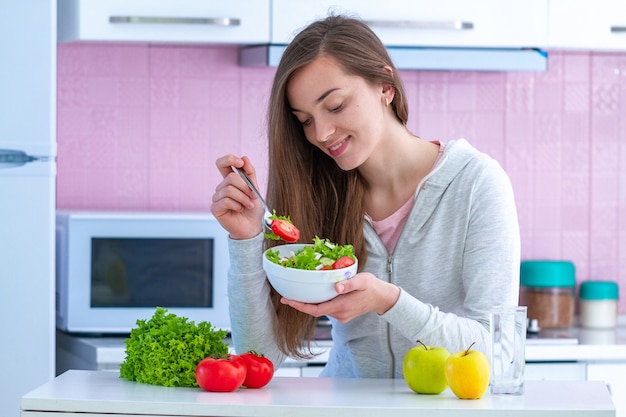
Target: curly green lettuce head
[166, 349]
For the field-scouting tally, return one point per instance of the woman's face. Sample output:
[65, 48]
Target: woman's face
[341, 114]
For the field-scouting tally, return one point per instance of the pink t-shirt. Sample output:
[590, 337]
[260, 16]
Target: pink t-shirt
[390, 228]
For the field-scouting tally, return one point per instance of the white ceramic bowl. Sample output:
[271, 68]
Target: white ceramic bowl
[303, 285]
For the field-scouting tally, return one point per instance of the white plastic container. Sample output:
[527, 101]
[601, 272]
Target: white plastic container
[598, 304]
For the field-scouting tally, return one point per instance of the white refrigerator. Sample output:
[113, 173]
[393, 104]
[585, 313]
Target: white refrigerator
[27, 197]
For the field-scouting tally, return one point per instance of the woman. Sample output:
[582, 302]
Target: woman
[433, 225]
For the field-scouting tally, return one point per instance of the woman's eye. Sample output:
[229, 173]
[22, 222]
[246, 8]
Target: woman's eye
[336, 109]
[305, 122]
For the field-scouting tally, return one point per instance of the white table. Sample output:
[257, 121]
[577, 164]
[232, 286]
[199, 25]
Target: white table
[103, 393]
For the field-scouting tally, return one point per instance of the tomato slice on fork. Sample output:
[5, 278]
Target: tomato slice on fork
[285, 230]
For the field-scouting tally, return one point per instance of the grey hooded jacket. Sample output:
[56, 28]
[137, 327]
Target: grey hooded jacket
[457, 257]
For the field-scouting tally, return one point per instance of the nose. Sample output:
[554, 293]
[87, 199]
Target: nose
[324, 129]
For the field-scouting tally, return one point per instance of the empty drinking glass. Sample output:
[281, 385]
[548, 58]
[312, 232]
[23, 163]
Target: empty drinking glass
[508, 349]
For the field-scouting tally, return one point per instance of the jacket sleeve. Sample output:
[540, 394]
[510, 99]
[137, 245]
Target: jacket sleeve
[488, 274]
[251, 310]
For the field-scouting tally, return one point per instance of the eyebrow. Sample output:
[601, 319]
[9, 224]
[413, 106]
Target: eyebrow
[319, 99]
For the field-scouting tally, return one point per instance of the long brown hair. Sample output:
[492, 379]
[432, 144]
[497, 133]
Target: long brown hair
[303, 182]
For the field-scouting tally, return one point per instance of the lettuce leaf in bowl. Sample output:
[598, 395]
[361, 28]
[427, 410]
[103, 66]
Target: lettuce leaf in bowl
[322, 253]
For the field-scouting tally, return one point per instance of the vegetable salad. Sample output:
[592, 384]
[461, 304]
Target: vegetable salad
[323, 254]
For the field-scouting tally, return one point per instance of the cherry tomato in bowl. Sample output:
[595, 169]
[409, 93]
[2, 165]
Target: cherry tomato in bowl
[343, 262]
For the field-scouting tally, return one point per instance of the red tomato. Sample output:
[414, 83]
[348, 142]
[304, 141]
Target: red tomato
[221, 374]
[285, 230]
[260, 370]
[343, 262]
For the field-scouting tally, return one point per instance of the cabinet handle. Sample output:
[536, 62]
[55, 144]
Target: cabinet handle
[212, 21]
[422, 24]
[618, 29]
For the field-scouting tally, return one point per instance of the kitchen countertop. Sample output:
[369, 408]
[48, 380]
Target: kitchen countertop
[578, 344]
[572, 344]
[104, 393]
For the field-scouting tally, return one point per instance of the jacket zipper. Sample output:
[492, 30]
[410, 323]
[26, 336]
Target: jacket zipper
[393, 358]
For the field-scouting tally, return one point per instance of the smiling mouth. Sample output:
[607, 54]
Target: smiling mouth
[338, 148]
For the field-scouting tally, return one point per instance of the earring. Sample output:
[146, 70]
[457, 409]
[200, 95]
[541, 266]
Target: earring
[386, 101]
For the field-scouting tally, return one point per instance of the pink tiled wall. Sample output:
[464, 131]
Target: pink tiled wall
[139, 128]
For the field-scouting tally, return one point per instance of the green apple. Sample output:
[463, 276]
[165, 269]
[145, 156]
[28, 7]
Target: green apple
[424, 369]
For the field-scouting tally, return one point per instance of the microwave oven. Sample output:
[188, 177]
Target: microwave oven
[114, 268]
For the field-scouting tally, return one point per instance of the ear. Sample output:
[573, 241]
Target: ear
[388, 93]
[388, 90]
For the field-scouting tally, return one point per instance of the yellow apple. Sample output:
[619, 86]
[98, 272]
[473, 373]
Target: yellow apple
[468, 373]
[424, 368]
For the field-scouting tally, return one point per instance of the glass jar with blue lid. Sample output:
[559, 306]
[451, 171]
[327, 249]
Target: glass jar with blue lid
[548, 289]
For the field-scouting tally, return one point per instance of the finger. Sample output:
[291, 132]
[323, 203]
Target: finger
[224, 164]
[224, 206]
[349, 285]
[310, 309]
[236, 197]
[241, 186]
[247, 168]
[250, 170]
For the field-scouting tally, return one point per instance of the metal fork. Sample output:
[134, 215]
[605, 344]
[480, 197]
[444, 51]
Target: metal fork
[267, 222]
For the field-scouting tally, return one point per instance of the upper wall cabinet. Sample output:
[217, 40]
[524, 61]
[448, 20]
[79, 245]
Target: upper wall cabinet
[457, 23]
[585, 24]
[188, 21]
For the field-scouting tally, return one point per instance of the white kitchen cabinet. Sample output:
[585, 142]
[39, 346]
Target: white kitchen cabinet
[614, 374]
[179, 21]
[587, 25]
[458, 23]
[288, 371]
[312, 371]
[555, 371]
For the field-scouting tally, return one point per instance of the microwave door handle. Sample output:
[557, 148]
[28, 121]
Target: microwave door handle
[14, 159]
